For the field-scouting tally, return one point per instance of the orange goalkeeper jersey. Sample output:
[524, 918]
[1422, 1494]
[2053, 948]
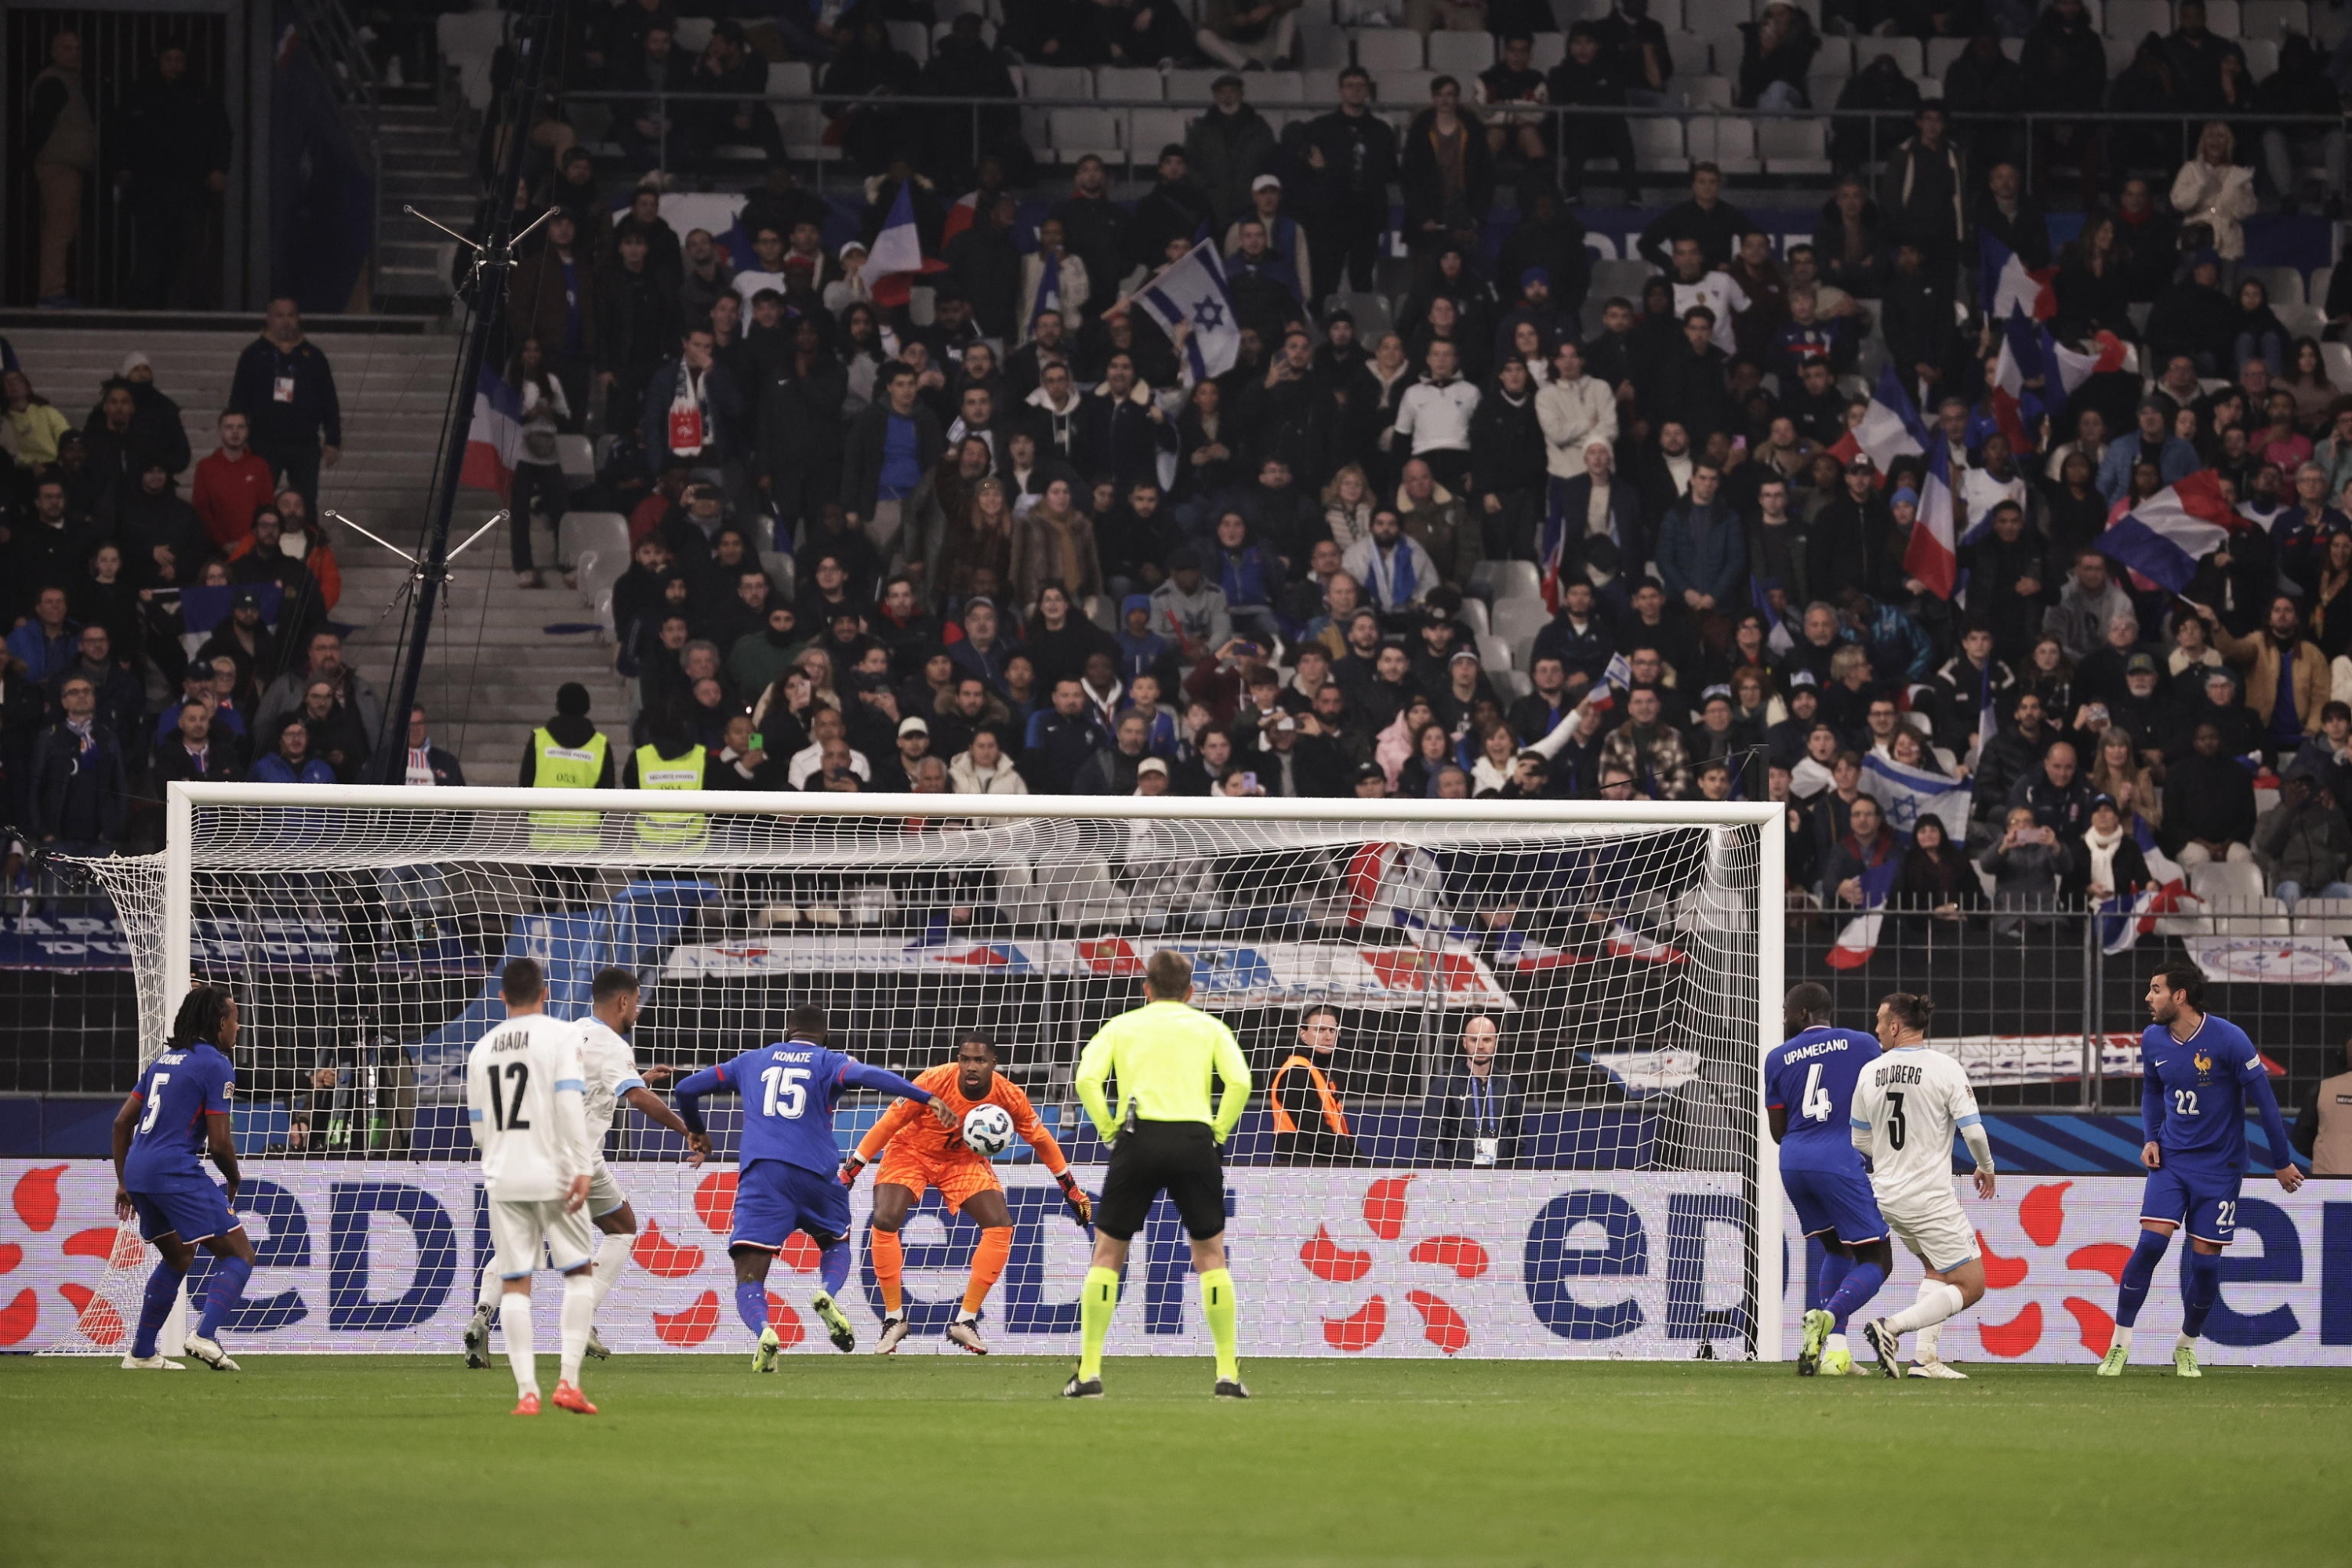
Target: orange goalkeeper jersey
[918, 1132]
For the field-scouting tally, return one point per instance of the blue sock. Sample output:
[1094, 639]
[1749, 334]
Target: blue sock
[1835, 1266]
[162, 1289]
[225, 1293]
[1861, 1284]
[2200, 1290]
[752, 1304]
[833, 1266]
[2139, 1273]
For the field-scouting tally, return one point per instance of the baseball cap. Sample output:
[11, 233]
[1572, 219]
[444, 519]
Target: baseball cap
[1266, 183]
[1135, 602]
[2140, 664]
[246, 599]
[1224, 81]
[1536, 275]
[1462, 654]
[1152, 765]
[1286, 722]
[1365, 771]
[1801, 678]
[913, 725]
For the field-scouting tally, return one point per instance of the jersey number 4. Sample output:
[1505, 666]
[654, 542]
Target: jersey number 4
[1815, 1102]
[508, 1113]
[787, 1091]
[1895, 1127]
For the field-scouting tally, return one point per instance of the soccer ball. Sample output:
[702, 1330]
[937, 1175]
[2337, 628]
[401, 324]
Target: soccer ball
[987, 1130]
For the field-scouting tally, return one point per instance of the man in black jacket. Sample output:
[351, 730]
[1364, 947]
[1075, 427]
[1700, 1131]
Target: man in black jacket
[1095, 228]
[986, 265]
[879, 467]
[1173, 208]
[176, 153]
[1706, 218]
[1119, 433]
[75, 802]
[1592, 78]
[284, 385]
[1357, 152]
[1474, 1115]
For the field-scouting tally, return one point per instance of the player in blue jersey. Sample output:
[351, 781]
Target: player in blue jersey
[1808, 1089]
[2198, 1075]
[788, 1164]
[176, 1115]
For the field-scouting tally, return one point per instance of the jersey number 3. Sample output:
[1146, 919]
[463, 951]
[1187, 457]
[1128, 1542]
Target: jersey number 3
[787, 1091]
[1815, 1102]
[508, 1112]
[1895, 1127]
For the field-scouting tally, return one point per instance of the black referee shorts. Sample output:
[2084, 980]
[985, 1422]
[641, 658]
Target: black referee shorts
[1179, 1158]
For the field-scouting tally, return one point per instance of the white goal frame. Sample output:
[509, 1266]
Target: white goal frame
[182, 799]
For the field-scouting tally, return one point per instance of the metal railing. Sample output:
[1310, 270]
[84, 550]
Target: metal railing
[1885, 129]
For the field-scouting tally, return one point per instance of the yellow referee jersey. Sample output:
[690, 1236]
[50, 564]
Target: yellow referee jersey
[1164, 1054]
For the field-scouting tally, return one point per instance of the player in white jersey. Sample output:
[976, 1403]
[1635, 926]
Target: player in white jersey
[524, 1084]
[612, 1079]
[1907, 1106]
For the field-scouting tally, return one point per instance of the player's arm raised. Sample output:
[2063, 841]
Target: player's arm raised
[882, 1080]
[687, 1094]
[2257, 1079]
[651, 1107]
[878, 1138]
[1233, 1081]
[1049, 1150]
[572, 1125]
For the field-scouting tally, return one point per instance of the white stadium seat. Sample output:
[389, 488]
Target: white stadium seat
[1078, 132]
[1117, 86]
[1464, 54]
[1379, 49]
[1657, 141]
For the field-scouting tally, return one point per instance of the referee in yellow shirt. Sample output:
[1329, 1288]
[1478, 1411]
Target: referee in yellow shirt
[1163, 1138]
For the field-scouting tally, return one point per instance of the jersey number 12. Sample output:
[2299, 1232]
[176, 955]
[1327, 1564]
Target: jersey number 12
[1815, 1102]
[508, 1113]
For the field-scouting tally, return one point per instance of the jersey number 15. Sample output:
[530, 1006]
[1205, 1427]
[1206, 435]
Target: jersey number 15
[787, 1093]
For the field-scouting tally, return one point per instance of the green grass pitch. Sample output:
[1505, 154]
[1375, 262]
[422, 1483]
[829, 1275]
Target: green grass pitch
[927, 1459]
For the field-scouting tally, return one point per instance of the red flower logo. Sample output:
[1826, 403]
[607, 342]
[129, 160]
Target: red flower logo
[657, 1255]
[2041, 1216]
[1384, 1216]
[36, 1202]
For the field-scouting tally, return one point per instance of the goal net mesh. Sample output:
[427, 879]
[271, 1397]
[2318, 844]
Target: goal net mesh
[1588, 1190]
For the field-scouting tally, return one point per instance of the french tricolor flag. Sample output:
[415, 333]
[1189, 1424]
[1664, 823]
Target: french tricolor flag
[1858, 939]
[1931, 555]
[2020, 361]
[2006, 283]
[2069, 368]
[898, 254]
[495, 438]
[960, 217]
[1889, 429]
[2164, 536]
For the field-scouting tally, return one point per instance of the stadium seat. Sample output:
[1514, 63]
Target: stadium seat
[1407, 92]
[1657, 142]
[1500, 580]
[1510, 685]
[2227, 886]
[1278, 87]
[2135, 19]
[1793, 146]
[1058, 82]
[693, 35]
[2222, 19]
[1494, 653]
[911, 38]
[1723, 49]
[2337, 358]
[1464, 54]
[1155, 128]
[1835, 56]
[1700, 91]
[940, 29]
[1373, 317]
[578, 460]
[1189, 85]
[1078, 132]
[2324, 918]
[1942, 52]
[1716, 16]
[1907, 52]
[1474, 615]
[1384, 50]
[1729, 143]
[1114, 85]
[2286, 283]
[2267, 19]
[605, 533]
[1516, 618]
[2262, 57]
[1321, 46]
[1626, 278]
[1551, 49]
[1823, 90]
[2322, 279]
[1321, 86]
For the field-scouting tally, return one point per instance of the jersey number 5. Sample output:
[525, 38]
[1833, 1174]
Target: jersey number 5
[1895, 1127]
[508, 1113]
[1815, 1102]
[154, 1102]
[787, 1091]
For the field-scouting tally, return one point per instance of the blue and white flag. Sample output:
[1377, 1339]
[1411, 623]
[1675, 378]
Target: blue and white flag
[1192, 293]
[1907, 793]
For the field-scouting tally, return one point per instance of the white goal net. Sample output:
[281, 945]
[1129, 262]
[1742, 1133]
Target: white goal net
[1542, 1139]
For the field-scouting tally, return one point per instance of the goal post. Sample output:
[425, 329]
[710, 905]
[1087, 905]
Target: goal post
[1552, 1019]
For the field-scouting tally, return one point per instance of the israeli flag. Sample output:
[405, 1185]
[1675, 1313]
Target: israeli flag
[1907, 793]
[1192, 293]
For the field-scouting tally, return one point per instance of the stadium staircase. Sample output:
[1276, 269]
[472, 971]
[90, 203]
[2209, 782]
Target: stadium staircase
[498, 651]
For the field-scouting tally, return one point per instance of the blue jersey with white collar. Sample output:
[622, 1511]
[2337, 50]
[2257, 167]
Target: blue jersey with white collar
[179, 1089]
[1811, 1077]
[2195, 1093]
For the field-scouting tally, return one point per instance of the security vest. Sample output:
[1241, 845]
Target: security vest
[669, 829]
[565, 767]
[2331, 1150]
[1333, 1117]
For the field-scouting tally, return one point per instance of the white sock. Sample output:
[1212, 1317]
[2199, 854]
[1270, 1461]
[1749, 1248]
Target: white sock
[2123, 1338]
[491, 1285]
[612, 1256]
[579, 1317]
[1930, 1343]
[1834, 1342]
[514, 1316]
[1937, 1301]
[2184, 1341]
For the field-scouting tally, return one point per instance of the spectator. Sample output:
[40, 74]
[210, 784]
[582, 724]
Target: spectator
[2212, 189]
[291, 762]
[1867, 847]
[1447, 174]
[1592, 79]
[323, 661]
[2088, 601]
[1647, 748]
[2303, 843]
[286, 389]
[62, 132]
[2286, 676]
[1245, 35]
[1356, 153]
[2104, 860]
[1638, 41]
[1061, 741]
[1937, 878]
[75, 799]
[1705, 218]
[46, 644]
[2055, 792]
[1921, 195]
[2208, 802]
[2300, 86]
[1474, 1115]
[198, 748]
[1701, 553]
[2026, 865]
[981, 768]
[232, 483]
[429, 764]
[1226, 148]
[1777, 50]
[336, 737]
[1874, 97]
[176, 146]
[2175, 458]
[119, 700]
[693, 411]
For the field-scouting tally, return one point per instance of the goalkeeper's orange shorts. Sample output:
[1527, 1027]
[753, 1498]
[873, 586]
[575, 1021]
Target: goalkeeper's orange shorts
[957, 1176]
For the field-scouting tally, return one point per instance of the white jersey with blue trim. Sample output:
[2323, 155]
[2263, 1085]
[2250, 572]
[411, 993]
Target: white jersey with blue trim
[612, 1072]
[1909, 1105]
[524, 1089]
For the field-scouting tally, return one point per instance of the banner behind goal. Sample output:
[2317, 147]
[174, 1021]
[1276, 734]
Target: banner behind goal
[1595, 1195]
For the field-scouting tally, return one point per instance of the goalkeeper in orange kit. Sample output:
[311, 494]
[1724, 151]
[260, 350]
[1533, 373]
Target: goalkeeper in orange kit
[918, 1151]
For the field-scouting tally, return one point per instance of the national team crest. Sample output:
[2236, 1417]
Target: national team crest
[2204, 1062]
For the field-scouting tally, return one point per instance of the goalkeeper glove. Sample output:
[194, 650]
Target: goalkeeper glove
[1075, 1196]
[850, 1168]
